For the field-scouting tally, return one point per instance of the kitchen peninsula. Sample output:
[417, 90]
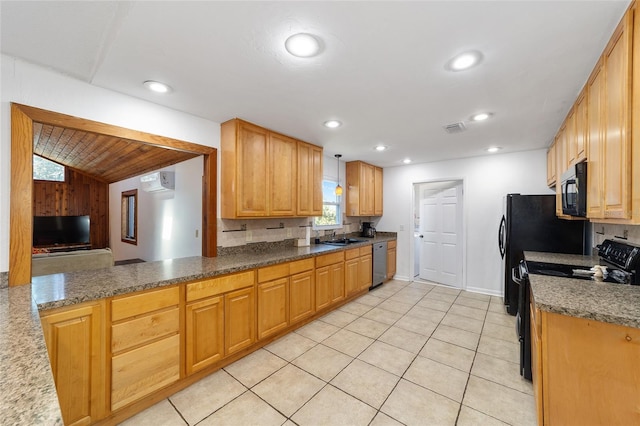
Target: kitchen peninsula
[27, 391]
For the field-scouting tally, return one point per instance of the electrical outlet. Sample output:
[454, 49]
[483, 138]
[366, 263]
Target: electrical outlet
[402, 227]
[289, 233]
[249, 236]
[196, 233]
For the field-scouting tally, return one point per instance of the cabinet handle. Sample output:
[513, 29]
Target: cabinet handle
[628, 338]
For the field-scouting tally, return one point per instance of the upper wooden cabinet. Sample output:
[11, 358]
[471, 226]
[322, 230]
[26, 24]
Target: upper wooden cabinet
[266, 174]
[600, 127]
[551, 165]
[364, 189]
[309, 180]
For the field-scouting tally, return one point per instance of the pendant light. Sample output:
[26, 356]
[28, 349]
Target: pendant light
[338, 187]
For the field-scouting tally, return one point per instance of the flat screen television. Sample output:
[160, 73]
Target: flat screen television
[60, 230]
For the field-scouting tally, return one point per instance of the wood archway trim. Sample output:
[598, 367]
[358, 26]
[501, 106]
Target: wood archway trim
[21, 201]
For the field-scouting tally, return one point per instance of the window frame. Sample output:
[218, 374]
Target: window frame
[125, 215]
[337, 203]
[64, 171]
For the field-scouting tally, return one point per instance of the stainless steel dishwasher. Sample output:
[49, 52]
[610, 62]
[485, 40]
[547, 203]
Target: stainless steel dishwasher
[379, 263]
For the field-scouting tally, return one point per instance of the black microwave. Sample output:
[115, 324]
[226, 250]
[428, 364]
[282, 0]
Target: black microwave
[574, 190]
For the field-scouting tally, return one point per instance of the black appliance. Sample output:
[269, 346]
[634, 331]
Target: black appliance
[368, 230]
[574, 190]
[530, 223]
[60, 230]
[622, 262]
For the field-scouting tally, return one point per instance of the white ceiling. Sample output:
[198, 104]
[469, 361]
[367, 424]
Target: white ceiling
[381, 71]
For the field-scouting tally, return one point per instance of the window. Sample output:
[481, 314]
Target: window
[129, 217]
[44, 169]
[331, 207]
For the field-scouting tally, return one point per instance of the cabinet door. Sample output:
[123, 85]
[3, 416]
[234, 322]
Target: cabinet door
[282, 175]
[273, 307]
[581, 127]
[351, 282]
[365, 272]
[536, 367]
[367, 189]
[391, 262]
[559, 169]
[551, 165]
[301, 296]
[337, 282]
[76, 346]
[595, 141]
[617, 112]
[570, 139]
[239, 319]
[309, 191]
[252, 171]
[323, 287]
[377, 194]
[204, 333]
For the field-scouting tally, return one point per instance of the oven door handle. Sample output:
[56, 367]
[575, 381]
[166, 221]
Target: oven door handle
[515, 275]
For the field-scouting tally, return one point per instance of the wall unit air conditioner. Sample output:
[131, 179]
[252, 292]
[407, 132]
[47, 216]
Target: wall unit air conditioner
[158, 181]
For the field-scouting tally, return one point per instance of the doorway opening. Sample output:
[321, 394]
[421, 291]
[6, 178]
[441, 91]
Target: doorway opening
[438, 232]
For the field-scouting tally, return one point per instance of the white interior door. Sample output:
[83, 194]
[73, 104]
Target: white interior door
[441, 231]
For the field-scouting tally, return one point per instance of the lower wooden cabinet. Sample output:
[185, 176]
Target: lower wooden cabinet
[365, 271]
[239, 320]
[302, 292]
[204, 330]
[351, 283]
[273, 307]
[75, 340]
[145, 344]
[391, 259]
[358, 270]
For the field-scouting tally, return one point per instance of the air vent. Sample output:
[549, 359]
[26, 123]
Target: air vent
[455, 127]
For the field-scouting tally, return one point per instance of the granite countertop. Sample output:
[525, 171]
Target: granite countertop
[27, 390]
[599, 301]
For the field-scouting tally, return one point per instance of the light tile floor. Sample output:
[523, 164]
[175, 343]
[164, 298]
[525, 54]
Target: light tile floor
[409, 353]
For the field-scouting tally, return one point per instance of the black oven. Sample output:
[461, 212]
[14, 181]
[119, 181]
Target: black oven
[574, 190]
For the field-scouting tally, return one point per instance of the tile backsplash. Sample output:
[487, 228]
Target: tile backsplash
[615, 232]
[238, 232]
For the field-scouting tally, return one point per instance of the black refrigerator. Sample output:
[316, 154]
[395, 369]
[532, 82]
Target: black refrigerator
[529, 223]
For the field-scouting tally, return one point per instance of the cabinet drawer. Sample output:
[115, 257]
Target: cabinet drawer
[351, 254]
[144, 329]
[392, 244]
[140, 304]
[215, 286]
[274, 272]
[301, 266]
[142, 371]
[329, 259]
[365, 250]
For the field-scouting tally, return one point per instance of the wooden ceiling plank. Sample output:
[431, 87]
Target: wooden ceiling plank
[150, 169]
[37, 129]
[111, 153]
[70, 136]
[132, 159]
[52, 141]
[99, 149]
[43, 140]
[83, 142]
[61, 141]
[150, 164]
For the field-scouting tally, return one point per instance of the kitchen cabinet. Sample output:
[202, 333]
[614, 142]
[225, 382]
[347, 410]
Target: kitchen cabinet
[365, 268]
[358, 270]
[302, 290]
[585, 371]
[571, 151]
[536, 358]
[266, 174]
[273, 299]
[239, 320]
[207, 315]
[309, 180]
[364, 189]
[551, 165]
[391, 259]
[329, 279]
[76, 346]
[145, 344]
[581, 128]
[595, 138]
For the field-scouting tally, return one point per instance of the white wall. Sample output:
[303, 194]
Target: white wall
[486, 180]
[167, 221]
[28, 84]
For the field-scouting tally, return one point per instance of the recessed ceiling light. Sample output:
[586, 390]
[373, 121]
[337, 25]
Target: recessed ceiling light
[332, 124]
[302, 45]
[481, 116]
[464, 61]
[156, 86]
[494, 149]
[381, 148]
[406, 160]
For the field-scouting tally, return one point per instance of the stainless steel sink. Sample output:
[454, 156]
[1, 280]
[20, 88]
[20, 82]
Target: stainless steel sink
[343, 241]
